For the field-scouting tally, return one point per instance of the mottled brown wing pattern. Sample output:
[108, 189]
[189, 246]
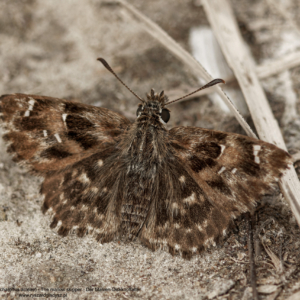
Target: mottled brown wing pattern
[86, 198]
[238, 168]
[214, 177]
[48, 134]
[182, 218]
[73, 146]
[176, 189]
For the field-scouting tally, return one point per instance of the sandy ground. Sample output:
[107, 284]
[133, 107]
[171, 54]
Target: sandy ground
[50, 48]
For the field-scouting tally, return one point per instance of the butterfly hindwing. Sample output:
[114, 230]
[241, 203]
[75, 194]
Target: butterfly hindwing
[182, 218]
[48, 134]
[87, 196]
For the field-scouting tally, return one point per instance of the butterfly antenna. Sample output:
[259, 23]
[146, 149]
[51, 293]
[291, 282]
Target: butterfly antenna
[107, 66]
[211, 83]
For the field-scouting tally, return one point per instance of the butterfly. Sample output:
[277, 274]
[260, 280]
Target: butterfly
[175, 189]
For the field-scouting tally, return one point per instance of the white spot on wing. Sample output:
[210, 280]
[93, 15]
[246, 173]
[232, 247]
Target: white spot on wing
[177, 247]
[57, 137]
[222, 149]
[200, 228]
[233, 170]
[194, 249]
[190, 199]
[209, 241]
[175, 205]
[31, 104]
[75, 227]
[100, 162]
[84, 208]
[256, 149]
[45, 133]
[64, 116]
[141, 145]
[94, 190]
[83, 178]
[176, 225]
[222, 170]
[90, 229]
[182, 179]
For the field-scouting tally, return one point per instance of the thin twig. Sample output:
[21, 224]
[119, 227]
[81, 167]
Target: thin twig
[275, 66]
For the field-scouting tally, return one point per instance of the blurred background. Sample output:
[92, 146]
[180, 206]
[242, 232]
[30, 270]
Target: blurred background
[50, 48]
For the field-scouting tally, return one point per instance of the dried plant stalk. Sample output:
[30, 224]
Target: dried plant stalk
[278, 65]
[195, 67]
[227, 33]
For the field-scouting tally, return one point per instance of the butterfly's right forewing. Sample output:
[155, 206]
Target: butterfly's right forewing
[239, 169]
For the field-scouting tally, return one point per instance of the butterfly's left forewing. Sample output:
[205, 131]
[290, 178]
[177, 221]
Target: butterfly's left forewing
[48, 134]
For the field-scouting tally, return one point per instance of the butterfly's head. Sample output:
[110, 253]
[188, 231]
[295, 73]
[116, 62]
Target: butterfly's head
[155, 104]
[154, 107]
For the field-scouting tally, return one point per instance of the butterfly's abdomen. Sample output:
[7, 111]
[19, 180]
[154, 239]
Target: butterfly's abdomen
[137, 199]
[143, 158]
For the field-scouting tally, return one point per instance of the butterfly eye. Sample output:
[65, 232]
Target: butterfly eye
[165, 115]
[139, 110]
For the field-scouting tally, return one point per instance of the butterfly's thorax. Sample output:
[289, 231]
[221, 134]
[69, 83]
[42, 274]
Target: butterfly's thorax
[145, 151]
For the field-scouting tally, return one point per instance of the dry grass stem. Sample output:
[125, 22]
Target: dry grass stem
[278, 65]
[227, 33]
[195, 67]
